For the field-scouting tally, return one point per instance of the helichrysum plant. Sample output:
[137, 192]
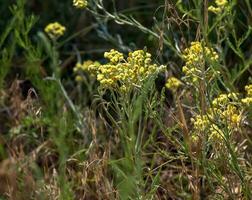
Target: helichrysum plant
[173, 84]
[225, 113]
[81, 4]
[220, 6]
[88, 66]
[248, 99]
[197, 57]
[55, 30]
[124, 73]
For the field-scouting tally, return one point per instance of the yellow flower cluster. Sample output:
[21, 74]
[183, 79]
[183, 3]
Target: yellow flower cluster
[221, 4]
[196, 57]
[87, 66]
[80, 3]
[223, 99]
[248, 99]
[114, 56]
[232, 116]
[224, 112]
[125, 73]
[225, 107]
[173, 84]
[55, 30]
[216, 134]
[202, 124]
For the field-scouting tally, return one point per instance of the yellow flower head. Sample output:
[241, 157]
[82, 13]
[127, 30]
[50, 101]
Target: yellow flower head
[248, 99]
[55, 30]
[78, 78]
[87, 66]
[81, 4]
[113, 56]
[216, 134]
[226, 109]
[213, 9]
[221, 4]
[173, 84]
[124, 73]
[196, 57]
[248, 89]
[200, 122]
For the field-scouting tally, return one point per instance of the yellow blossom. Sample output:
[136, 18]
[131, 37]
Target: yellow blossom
[200, 122]
[225, 108]
[248, 89]
[55, 30]
[221, 100]
[232, 116]
[213, 9]
[216, 134]
[113, 56]
[196, 57]
[173, 84]
[87, 66]
[248, 99]
[221, 5]
[124, 73]
[80, 3]
[78, 78]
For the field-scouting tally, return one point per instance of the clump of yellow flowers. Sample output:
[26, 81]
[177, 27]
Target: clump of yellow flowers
[225, 107]
[87, 66]
[203, 124]
[125, 73]
[120, 73]
[197, 56]
[248, 99]
[173, 84]
[226, 111]
[55, 30]
[221, 5]
[81, 4]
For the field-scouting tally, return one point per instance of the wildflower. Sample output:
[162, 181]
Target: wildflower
[213, 9]
[77, 67]
[196, 57]
[124, 73]
[226, 109]
[78, 78]
[113, 56]
[195, 138]
[248, 88]
[221, 5]
[216, 134]
[248, 99]
[221, 100]
[231, 116]
[87, 66]
[200, 122]
[225, 112]
[55, 30]
[173, 84]
[80, 3]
